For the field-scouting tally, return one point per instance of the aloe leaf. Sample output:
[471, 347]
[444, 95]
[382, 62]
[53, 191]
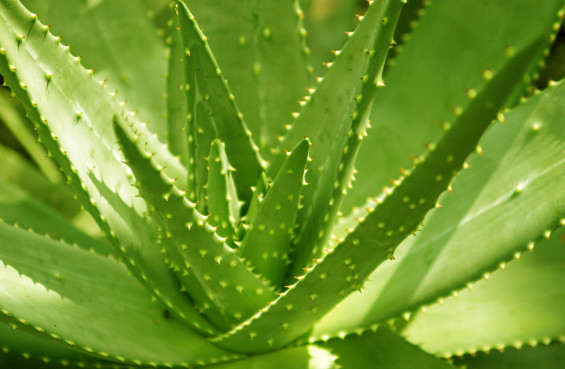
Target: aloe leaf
[21, 173]
[499, 195]
[17, 207]
[21, 129]
[381, 349]
[418, 78]
[73, 113]
[219, 116]
[239, 292]
[258, 44]
[267, 241]
[376, 237]
[505, 318]
[327, 118]
[125, 51]
[327, 22]
[43, 283]
[540, 356]
[177, 124]
[259, 191]
[23, 344]
[300, 357]
[222, 201]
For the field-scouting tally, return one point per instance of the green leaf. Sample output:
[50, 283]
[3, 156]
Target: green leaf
[540, 357]
[429, 80]
[267, 241]
[73, 113]
[215, 112]
[21, 128]
[24, 345]
[381, 349]
[21, 173]
[234, 289]
[327, 22]
[327, 118]
[346, 267]
[517, 307]
[222, 201]
[300, 357]
[17, 207]
[177, 123]
[43, 283]
[259, 44]
[493, 215]
[126, 50]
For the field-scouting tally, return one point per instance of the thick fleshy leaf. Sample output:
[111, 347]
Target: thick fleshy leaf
[345, 268]
[43, 284]
[429, 79]
[300, 357]
[213, 109]
[327, 22]
[119, 41]
[17, 207]
[73, 116]
[28, 345]
[539, 357]
[381, 349]
[267, 241]
[177, 123]
[223, 204]
[193, 244]
[517, 306]
[493, 215]
[326, 119]
[20, 173]
[258, 44]
[12, 116]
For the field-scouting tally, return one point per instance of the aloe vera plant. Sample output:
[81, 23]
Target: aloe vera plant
[237, 211]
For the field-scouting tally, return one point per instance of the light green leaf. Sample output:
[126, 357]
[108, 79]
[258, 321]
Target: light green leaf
[73, 113]
[223, 204]
[326, 119]
[493, 215]
[232, 287]
[345, 268]
[215, 114]
[539, 357]
[125, 50]
[17, 207]
[258, 44]
[381, 349]
[516, 306]
[429, 80]
[267, 241]
[43, 284]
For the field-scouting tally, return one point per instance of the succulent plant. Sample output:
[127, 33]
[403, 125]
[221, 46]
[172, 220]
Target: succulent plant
[235, 223]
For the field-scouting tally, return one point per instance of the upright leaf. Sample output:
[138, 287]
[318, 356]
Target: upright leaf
[327, 118]
[346, 267]
[234, 290]
[215, 114]
[267, 241]
[223, 204]
[260, 47]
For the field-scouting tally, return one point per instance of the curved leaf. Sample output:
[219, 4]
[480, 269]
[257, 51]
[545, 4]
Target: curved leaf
[42, 287]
